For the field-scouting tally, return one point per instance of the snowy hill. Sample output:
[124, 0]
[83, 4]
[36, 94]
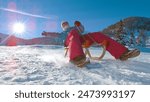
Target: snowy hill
[46, 65]
[6, 39]
[132, 24]
[42, 41]
[2, 36]
[132, 31]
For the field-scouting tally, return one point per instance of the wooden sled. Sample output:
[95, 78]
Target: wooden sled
[87, 51]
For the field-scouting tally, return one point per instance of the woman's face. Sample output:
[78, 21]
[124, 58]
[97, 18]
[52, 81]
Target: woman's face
[65, 26]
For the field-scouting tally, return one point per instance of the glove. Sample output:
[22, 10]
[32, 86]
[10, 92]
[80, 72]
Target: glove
[77, 23]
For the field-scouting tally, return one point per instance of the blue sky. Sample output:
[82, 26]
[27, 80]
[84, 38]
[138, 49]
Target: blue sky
[94, 14]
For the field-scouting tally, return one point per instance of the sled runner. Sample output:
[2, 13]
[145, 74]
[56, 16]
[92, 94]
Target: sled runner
[88, 53]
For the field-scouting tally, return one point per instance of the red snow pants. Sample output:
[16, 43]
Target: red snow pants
[74, 42]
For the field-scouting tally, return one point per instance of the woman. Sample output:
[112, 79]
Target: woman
[74, 41]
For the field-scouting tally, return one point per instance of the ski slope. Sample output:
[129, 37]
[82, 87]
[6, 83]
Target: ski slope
[46, 65]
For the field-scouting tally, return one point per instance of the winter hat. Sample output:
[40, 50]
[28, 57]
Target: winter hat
[77, 23]
[79, 26]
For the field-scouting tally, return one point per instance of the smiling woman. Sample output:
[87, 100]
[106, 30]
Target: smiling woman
[18, 28]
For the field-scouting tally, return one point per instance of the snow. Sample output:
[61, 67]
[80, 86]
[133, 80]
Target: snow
[46, 65]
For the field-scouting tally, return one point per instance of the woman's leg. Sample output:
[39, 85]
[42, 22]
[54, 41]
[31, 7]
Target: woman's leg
[113, 47]
[74, 43]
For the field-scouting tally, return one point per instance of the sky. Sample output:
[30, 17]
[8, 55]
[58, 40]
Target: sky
[46, 15]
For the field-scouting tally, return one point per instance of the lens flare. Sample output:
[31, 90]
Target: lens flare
[18, 28]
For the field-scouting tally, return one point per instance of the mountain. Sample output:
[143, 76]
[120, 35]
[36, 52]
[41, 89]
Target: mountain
[2, 36]
[11, 40]
[131, 24]
[42, 41]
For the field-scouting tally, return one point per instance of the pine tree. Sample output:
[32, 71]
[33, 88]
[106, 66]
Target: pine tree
[141, 39]
[132, 40]
[121, 35]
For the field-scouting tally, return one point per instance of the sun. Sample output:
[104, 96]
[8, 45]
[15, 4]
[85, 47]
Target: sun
[18, 28]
